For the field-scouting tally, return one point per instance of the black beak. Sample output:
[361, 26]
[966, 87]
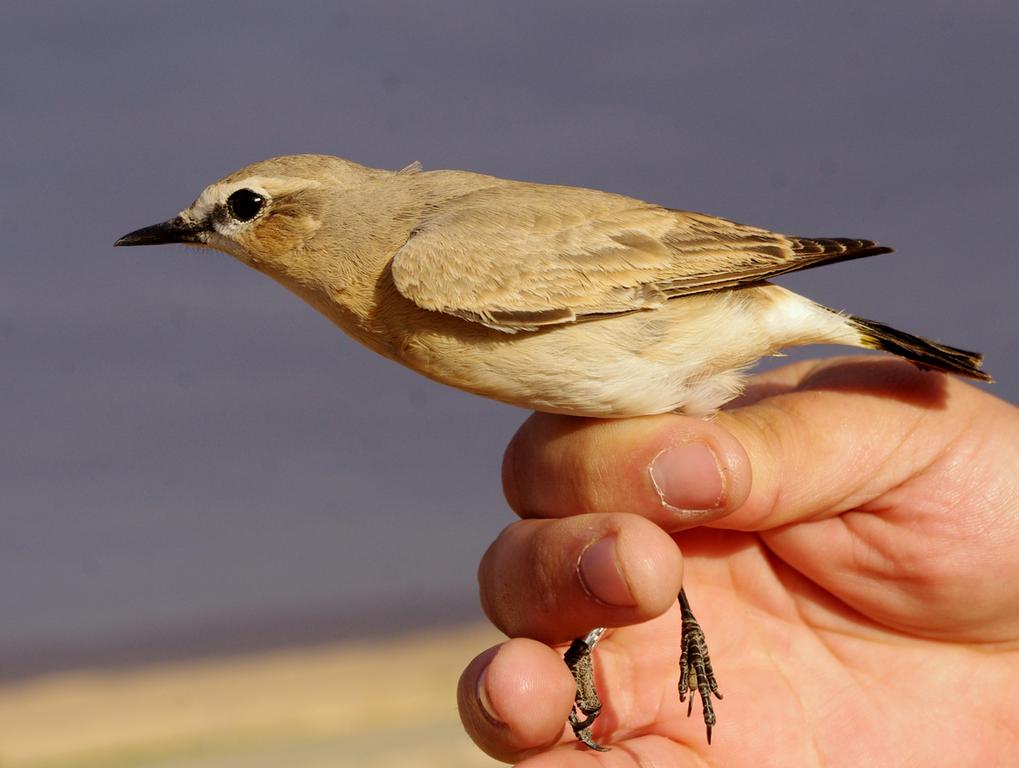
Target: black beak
[176, 230]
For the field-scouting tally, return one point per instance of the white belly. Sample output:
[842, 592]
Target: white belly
[690, 355]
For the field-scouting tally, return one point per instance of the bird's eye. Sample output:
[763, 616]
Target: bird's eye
[245, 204]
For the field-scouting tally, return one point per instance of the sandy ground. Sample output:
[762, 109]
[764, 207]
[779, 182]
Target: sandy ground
[370, 704]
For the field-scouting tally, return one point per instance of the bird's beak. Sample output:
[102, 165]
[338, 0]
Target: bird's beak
[176, 230]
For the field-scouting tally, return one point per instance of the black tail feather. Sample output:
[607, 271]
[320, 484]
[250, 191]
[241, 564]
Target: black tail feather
[919, 351]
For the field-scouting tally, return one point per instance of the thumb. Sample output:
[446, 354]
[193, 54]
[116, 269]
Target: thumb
[808, 441]
[826, 437]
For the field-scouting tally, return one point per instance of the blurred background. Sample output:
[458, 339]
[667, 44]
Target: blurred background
[195, 464]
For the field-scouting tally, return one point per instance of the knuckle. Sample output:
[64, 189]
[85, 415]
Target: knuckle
[520, 578]
[583, 476]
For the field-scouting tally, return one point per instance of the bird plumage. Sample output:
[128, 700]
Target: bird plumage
[575, 254]
[555, 298]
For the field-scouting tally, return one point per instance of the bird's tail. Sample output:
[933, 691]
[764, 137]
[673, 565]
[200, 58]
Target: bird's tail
[923, 353]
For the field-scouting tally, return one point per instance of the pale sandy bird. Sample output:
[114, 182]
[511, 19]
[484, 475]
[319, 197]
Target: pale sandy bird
[553, 298]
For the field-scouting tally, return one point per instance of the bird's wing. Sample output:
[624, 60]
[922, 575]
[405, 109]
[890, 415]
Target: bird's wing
[520, 262]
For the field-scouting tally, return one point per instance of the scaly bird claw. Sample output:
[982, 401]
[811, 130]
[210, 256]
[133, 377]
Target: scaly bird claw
[695, 677]
[587, 705]
[695, 673]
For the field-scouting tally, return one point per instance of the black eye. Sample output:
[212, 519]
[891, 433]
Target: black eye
[245, 204]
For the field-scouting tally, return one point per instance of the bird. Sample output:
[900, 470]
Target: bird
[554, 298]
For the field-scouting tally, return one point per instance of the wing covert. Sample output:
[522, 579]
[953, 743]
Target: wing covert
[523, 259]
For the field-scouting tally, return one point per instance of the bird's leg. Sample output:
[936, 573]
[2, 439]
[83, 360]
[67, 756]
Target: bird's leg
[695, 673]
[587, 705]
[695, 676]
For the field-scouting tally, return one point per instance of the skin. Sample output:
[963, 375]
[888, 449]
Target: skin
[855, 572]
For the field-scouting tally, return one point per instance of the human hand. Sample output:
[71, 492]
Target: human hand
[860, 597]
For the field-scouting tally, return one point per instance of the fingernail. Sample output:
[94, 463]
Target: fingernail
[601, 575]
[483, 700]
[688, 477]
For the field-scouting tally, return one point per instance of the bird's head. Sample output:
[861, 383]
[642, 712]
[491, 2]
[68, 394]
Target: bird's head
[262, 214]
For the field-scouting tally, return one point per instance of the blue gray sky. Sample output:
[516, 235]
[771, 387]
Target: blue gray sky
[192, 459]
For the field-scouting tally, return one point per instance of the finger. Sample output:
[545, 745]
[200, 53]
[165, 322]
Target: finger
[555, 579]
[822, 437]
[777, 381]
[846, 433]
[514, 699]
[673, 470]
[632, 753]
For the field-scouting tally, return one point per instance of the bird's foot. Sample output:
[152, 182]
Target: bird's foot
[695, 677]
[695, 672]
[587, 705]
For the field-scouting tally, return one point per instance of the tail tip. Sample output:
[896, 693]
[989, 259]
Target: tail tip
[923, 353]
